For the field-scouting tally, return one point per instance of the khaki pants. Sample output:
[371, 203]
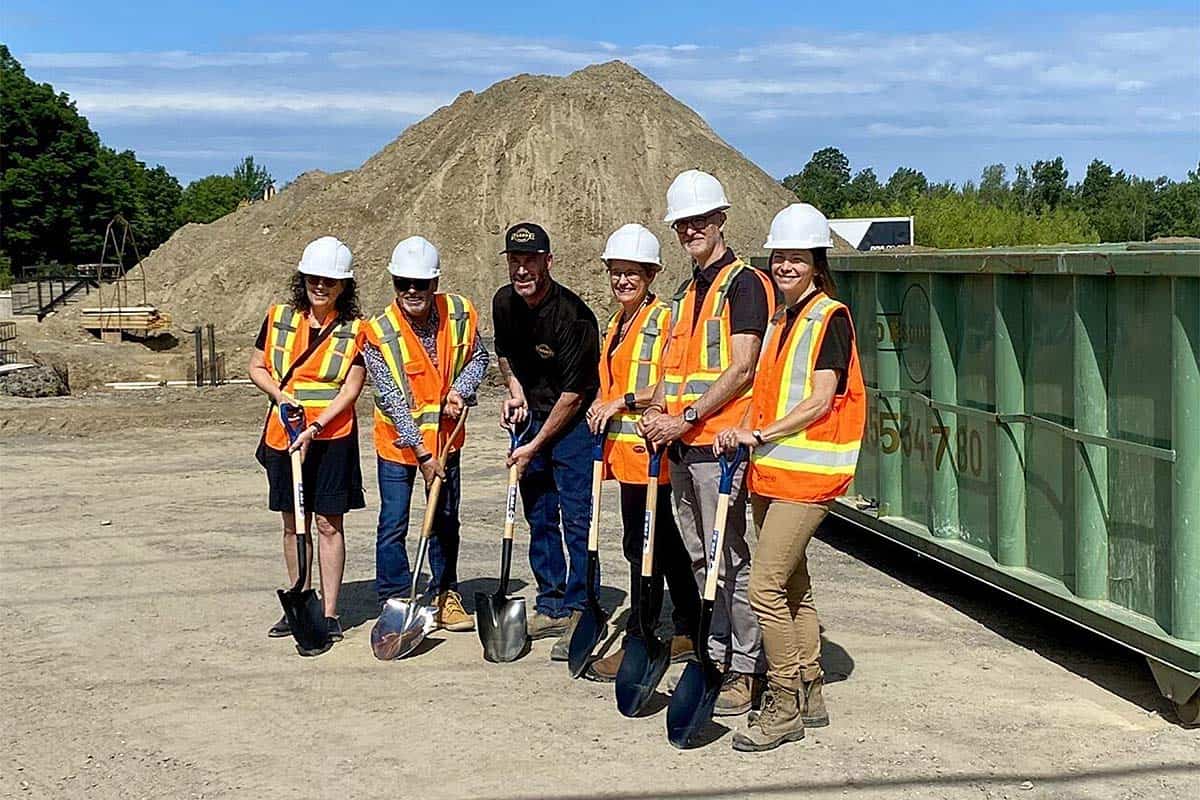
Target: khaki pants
[780, 589]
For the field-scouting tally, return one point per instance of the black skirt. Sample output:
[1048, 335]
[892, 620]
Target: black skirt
[332, 476]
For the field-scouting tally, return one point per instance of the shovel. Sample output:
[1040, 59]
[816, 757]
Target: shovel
[500, 619]
[696, 693]
[646, 656]
[403, 624]
[304, 612]
[591, 626]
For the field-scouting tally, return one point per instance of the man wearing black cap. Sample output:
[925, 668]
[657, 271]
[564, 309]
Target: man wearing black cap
[548, 346]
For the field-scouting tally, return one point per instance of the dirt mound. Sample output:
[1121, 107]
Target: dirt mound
[581, 155]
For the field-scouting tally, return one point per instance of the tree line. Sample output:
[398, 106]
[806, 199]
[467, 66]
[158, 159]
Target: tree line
[1037, 205]
[60, 185]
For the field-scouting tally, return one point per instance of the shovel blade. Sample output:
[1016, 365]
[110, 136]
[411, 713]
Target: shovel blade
[588, 632]
[642, 668]
[400, 628]
[502, 627]
[306, 617]
[692, 702]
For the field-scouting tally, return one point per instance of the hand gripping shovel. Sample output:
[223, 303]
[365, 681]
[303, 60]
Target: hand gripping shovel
[500, 619]
[403, 624]
[304, 612]
[696, 693]
[646, 656]
[591, 626]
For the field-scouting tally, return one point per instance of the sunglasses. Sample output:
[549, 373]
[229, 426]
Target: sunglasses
[697, 223]
[321, 280]
[404, 284]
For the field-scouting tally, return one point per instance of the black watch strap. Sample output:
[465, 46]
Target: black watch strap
[424, 458]
[630, 401]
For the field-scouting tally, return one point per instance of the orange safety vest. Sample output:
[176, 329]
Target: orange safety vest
[634, 365]
[698, 353]
[424, 385]
[817, 463]
[317, 381]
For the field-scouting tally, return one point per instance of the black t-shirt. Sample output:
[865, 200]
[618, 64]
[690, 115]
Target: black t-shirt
[553, 348]
[836, 346]
[748, 312]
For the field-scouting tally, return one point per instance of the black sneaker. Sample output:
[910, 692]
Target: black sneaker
[334, 626]
[280, 629]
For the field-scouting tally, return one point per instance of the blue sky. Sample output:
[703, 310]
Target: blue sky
[941, 86]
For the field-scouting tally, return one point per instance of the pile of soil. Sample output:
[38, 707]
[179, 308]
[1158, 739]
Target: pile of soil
[581, 155]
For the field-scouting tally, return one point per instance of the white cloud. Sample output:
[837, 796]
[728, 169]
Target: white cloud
[327, 107]
[169, 59]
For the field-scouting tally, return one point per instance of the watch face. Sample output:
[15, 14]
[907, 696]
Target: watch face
[689, 415]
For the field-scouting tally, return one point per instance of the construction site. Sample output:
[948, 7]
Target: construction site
[982, 637]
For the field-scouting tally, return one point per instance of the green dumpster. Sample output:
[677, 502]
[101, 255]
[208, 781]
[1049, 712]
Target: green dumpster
[1035, 422]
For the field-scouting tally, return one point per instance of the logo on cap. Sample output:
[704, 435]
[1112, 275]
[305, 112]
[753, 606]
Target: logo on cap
[521, 236]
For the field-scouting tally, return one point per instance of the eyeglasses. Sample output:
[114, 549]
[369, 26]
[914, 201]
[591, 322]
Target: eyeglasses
[696, 223]
[404, 284]
[321, 280]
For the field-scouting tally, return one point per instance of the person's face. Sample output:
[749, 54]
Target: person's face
[700, 235]
[529, 272]
[630, 281]
[322, 292]
[792, 271]
[415, 295]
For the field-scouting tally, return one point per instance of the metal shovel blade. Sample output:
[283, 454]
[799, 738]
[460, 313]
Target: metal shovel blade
[306, 617]
[642, 667]
[588, 632]
[692, 702]
[501, 623]
[400, 628]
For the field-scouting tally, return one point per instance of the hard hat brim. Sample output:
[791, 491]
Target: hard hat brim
[325, 273]
[695, 211]
[797, 244]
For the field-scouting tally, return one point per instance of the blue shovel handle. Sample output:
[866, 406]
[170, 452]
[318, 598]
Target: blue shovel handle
[655, 465]
[729, 465]
[285, 412]
[598, 444]
[515, 436]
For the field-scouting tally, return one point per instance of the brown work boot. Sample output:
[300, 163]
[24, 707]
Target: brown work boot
[682, 649]
[739, 692]
[542, 626]
[605, 669]
[778, 722]
[814, 712]
[562, 648]
[450, 614]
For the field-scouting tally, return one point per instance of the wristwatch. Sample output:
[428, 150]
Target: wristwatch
[690, 416]
[758, 437]
[317, 425]
[630, 401]
[424, 458]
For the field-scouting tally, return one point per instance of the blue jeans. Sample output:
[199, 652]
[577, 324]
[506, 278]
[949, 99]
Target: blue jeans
[556, 497]
[393, 575]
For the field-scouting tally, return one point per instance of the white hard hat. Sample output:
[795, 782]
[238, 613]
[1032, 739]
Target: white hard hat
[694, 193]
[415, 257]
[799, 227]
[633, 242]
[327, 257]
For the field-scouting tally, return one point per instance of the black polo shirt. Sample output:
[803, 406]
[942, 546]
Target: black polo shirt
[552, 348]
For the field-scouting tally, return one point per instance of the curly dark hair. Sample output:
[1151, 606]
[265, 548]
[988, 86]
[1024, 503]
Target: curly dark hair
[346, 304]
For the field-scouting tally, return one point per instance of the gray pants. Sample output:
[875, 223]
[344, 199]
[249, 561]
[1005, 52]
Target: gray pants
[735, 641]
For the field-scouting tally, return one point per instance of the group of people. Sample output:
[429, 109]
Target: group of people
[736, 359]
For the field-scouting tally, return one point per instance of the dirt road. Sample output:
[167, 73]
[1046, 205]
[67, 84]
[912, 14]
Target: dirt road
[137, 572]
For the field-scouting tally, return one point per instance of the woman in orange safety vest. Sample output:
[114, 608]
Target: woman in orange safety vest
[804, 429]
[630, 362]
[307, 356]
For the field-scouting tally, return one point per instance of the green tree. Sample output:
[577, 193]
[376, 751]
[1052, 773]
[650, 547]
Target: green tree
[252, 178]
[864, 187]
[1049, 184]
[993, 185]
[1174, 207]
[209, 198]
[148, 198]
[51, 186]
[824, 181]
[906, 185]
[1022, 189]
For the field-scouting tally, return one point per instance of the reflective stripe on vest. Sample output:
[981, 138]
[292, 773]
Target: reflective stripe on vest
[817, 463]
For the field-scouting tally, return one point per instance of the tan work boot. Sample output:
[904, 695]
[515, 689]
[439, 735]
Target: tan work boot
[605, 669]
[541, 626]
[562, 648]
[682, 649]
[450, 614]
[778, 722]
[738, 694]
[814, 711]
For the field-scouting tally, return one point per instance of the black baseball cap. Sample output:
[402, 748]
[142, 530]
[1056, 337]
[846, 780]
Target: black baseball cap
[526, 237]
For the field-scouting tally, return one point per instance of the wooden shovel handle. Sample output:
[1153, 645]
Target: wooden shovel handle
[435, 488]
